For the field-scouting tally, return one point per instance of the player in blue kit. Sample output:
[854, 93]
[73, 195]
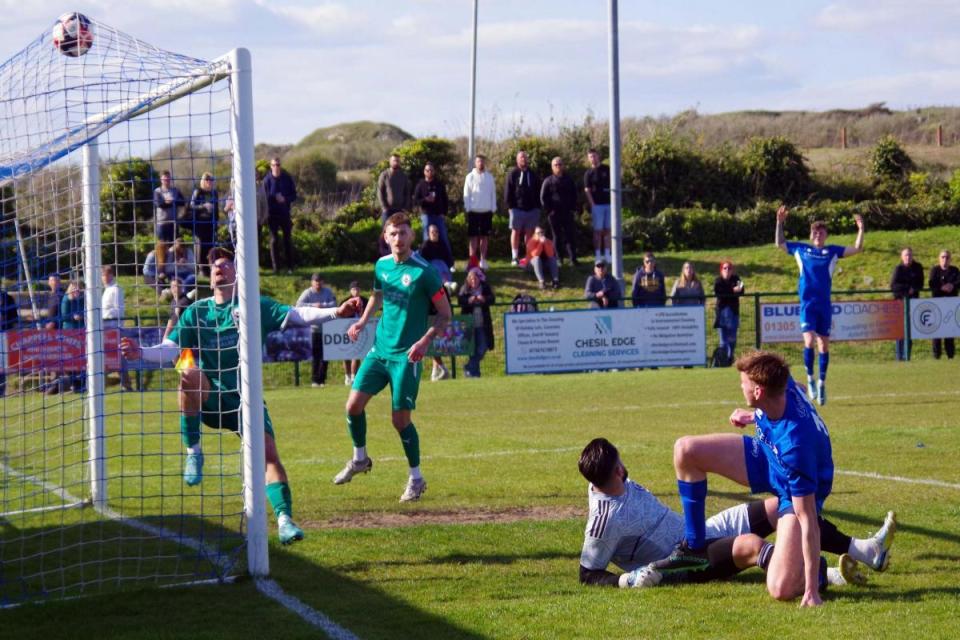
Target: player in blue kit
[790, 456]
[817, 264]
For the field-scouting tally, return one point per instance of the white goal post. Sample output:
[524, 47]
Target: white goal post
[91, 490]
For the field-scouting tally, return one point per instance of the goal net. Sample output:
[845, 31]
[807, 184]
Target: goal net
[120, 167]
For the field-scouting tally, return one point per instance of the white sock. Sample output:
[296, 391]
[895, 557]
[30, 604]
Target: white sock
[415, 473]
[809, 379]
[864, 551]
[359, 453]
[283, 518]
[195, 449]
[514, 252]
[834, 577]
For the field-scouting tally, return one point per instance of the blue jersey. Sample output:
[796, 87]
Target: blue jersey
[797, 448]
[816, 270]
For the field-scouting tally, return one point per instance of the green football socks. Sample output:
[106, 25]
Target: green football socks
[190, 429]
[411, 445]
[278, 493]
[357, 426]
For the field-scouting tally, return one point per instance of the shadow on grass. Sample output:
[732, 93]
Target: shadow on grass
[464, 558]
[876, 522]
[136, 585]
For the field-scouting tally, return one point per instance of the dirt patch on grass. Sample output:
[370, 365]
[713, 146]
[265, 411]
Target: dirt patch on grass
[419, 517]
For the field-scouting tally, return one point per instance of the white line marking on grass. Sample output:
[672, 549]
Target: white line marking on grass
[272, 590]
[876, 476]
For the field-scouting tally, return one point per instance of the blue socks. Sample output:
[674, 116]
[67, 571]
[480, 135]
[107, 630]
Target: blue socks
[824, 361]
[693, 497]
[808, 360]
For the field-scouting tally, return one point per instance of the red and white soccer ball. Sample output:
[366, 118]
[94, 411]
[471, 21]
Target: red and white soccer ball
[72, 34]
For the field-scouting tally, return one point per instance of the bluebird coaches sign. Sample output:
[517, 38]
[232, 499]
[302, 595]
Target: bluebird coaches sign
[852, 320]
[604, 339]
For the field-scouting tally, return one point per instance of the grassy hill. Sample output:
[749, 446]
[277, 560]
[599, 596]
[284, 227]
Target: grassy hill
[354, 145]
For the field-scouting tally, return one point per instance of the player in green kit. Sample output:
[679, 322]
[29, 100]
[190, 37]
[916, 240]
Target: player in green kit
[406, 286]
[209, 390]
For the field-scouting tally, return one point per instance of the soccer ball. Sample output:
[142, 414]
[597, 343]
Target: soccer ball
[72, 34]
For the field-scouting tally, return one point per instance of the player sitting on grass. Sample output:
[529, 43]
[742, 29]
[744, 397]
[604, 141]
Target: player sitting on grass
[631, 528]
[406, 286]
[209, 391]
[790, 457]
[816, 264]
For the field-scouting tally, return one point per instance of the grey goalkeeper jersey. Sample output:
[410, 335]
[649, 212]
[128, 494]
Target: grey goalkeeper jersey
[631, 530]
[634, 529]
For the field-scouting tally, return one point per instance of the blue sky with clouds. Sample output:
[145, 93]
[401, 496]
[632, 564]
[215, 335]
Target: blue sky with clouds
[541, 62]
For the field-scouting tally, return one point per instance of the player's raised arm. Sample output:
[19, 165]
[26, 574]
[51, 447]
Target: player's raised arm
[440, 322]
[373, 305]
[858, 243]
[780, 239]
[304, 316]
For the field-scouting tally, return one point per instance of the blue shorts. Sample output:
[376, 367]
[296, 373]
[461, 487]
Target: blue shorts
[600, 216]
[816, 317]
[759, 475]
[524, 219]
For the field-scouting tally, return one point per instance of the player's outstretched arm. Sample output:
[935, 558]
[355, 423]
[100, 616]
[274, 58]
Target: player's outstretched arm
[373, 305]
[742, 417]
[163, 354]
[440, 322]
[779, 238]
[858, 243]
[806, 510]
[303, 316]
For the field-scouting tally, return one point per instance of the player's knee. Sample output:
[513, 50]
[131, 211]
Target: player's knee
[400, 422]
[683, 450]
[190, 379]
[746, 549]
[782, 588]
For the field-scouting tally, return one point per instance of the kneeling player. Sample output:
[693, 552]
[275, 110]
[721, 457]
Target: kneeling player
[209, 393]
[629, 527]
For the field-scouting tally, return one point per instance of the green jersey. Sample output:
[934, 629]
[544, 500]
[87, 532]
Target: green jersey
[408, 288]
[211, 330]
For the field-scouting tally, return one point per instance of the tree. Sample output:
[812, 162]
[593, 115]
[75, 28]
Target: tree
[312, 171]
[775, 168]
[126, 194]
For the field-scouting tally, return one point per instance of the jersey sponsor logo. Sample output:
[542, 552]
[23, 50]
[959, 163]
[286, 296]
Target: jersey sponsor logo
[405, 280]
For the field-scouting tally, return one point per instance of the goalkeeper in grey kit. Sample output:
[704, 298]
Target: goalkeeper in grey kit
[209, 387]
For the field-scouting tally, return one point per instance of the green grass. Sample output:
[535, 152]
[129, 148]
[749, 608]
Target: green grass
[500, 456]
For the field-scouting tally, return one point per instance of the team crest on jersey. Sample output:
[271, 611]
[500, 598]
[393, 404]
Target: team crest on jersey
[824, 251]
[406, 279]
[235, 314]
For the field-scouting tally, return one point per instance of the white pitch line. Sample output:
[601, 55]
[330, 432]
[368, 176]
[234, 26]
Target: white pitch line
[876, 476]
[271, 589]
[495, 454]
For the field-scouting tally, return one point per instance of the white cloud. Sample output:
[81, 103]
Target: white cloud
[327, 17]
[865, 15]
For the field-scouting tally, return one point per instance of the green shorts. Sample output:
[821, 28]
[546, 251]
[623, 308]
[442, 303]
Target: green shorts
[221, 410]
[403, 377]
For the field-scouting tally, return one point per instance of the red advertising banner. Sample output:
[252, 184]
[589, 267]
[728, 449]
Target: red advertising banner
[57, 350]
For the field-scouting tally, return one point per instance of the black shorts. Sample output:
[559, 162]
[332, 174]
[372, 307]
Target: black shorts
[479, 224]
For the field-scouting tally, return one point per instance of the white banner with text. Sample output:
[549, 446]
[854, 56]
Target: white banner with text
[591, 339]
[934, 318]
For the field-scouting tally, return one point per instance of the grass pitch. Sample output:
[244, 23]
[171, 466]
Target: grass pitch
[492, 550]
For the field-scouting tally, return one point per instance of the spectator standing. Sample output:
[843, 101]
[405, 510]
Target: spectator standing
[205, 210]
[393, 193]
[542, 258]
[111, 309]
[321, 297]
[906, 282]
[687, 290]
[350, 366]
[475, 298]
[72, 317]
[558, 196]
[52, 315]
[281, 193]
[649, 285]
[521, 193]
[9, 320]
[479, 201]
[944, 279]
[728, 287]
[167, 201]
[437, 253]
[602, 289]
[596, 184]
[430, 195]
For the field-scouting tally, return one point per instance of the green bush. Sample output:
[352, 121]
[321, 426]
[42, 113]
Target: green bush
[414, 154]
[126, 193]
[774, 168]
[889, 163]
[660, 171]
[540, 151]
[312, 171]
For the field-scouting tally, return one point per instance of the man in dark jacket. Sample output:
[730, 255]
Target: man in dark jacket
[521, 192]
[906, 282]
[602, 289]
[430, 196]
[944, 279]
[281, 193]
[393, 193]
[649, 288]
[558, 195]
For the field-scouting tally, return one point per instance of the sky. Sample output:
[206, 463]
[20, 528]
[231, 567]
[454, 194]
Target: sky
[541, 63]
